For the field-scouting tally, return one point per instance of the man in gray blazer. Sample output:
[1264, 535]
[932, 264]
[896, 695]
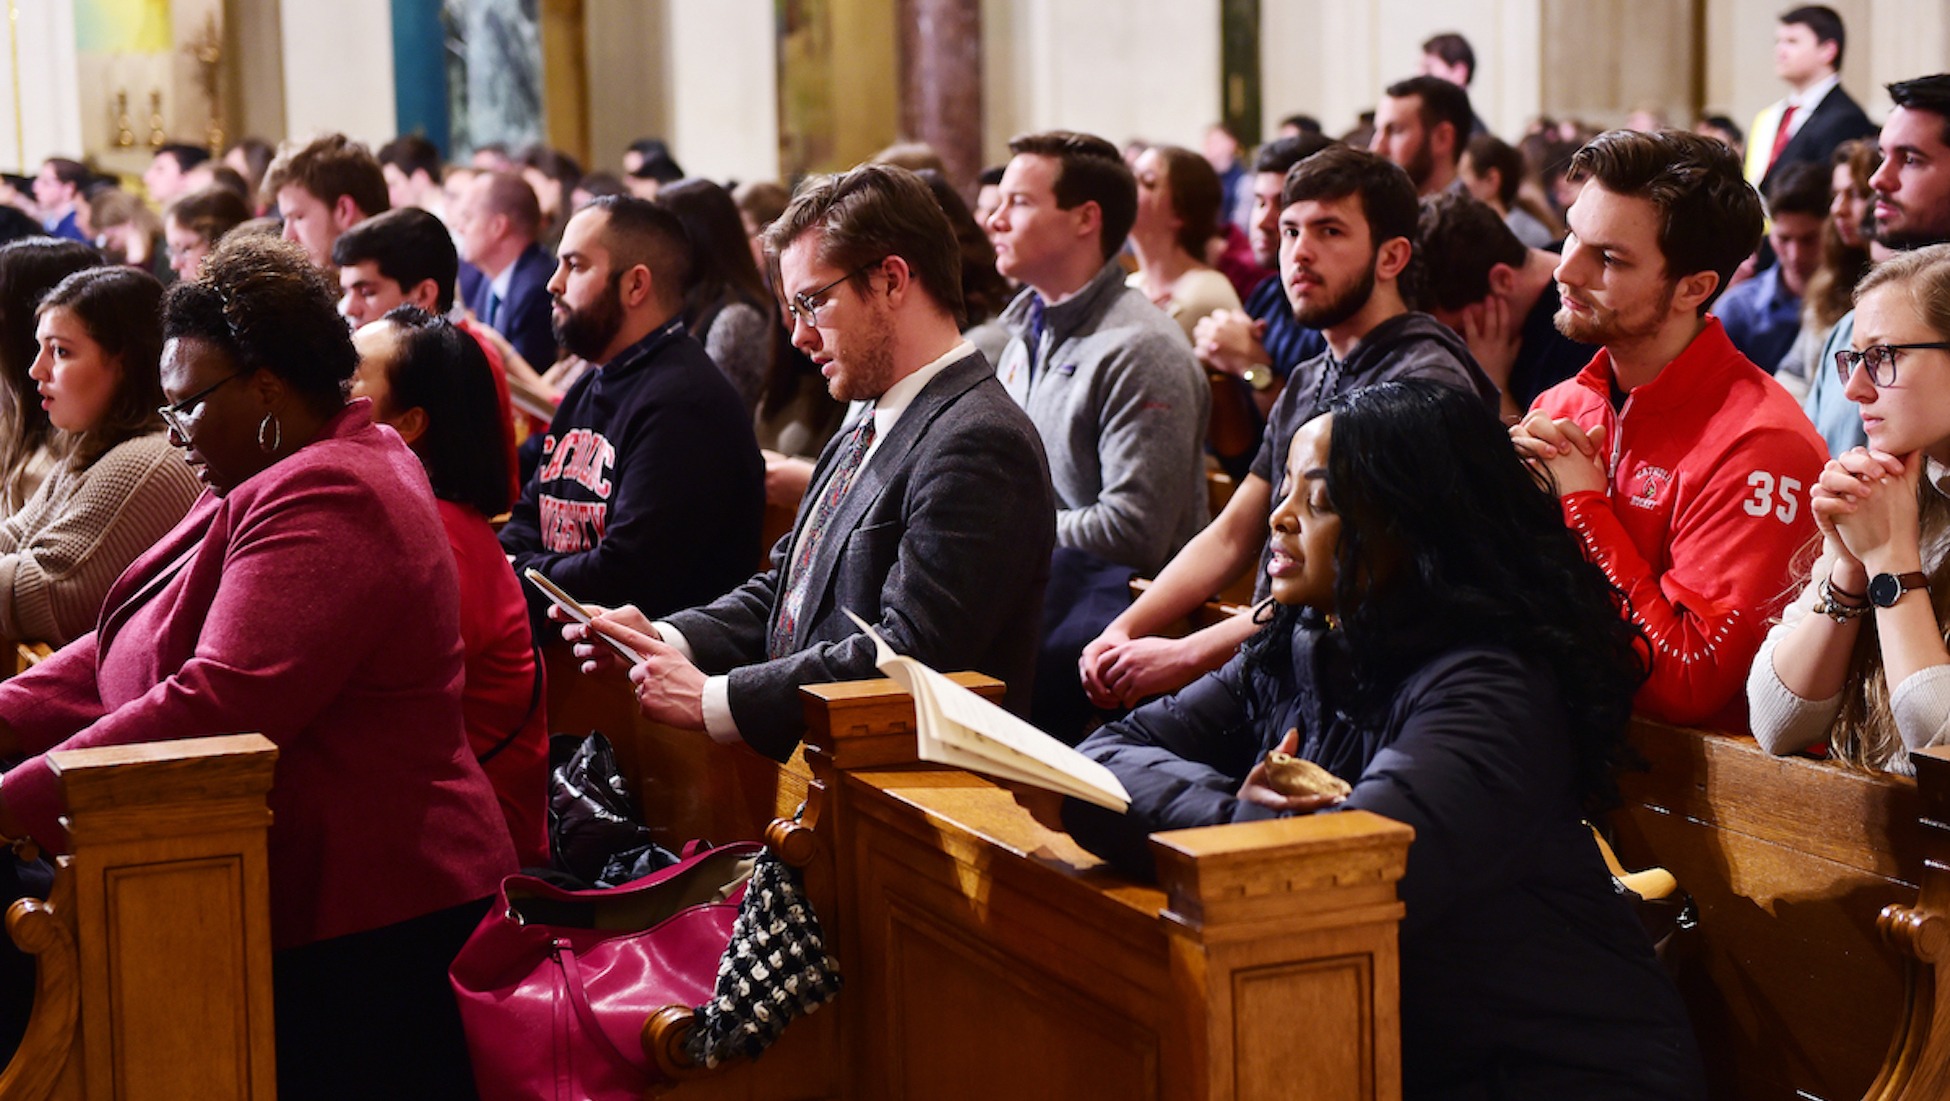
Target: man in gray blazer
[930, 514]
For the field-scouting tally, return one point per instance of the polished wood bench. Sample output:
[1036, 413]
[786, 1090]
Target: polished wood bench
[991, 957]
[153, 953]
[1792, 990]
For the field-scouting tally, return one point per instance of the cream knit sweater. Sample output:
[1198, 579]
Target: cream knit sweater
[60, 553]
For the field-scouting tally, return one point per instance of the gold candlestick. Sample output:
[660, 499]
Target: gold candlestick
[123, 125]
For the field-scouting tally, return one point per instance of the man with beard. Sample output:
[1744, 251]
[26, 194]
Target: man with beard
[1347, 228]
[1422, 124]
[929, 513]
[1682, 468]
[650, 487]
[1250, 351]
[1912, 209]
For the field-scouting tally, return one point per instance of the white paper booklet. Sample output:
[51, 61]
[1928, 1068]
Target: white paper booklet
[959, 728]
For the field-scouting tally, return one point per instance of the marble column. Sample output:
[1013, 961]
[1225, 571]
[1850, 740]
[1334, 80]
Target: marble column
[941, 82]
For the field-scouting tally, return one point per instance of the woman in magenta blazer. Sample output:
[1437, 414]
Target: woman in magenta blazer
[308, 595]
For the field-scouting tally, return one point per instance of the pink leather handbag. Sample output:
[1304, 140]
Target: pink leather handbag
[554, 986]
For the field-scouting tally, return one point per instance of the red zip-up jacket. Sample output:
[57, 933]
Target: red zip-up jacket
[1709, 470]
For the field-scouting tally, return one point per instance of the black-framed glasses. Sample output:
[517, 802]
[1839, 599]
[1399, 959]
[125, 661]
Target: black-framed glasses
[1880, 359]
[805, 307]
[180, 415]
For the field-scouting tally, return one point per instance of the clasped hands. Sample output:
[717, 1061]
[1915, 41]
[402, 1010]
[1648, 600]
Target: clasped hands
[1865, 505]
[1573, 456]
[1120, 671]
[1230, 341]
[668, 688]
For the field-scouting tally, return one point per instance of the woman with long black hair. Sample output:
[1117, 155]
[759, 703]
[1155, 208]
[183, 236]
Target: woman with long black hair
[1438, 641]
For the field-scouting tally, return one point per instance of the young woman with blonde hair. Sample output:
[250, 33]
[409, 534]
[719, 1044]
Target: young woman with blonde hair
[1859, 658]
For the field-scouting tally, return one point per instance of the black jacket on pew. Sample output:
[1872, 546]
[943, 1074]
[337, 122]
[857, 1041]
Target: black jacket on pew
[1524, 975]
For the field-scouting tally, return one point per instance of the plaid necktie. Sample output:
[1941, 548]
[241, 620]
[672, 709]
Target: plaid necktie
[786, 624]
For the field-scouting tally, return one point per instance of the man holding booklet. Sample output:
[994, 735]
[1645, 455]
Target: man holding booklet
[929, 514]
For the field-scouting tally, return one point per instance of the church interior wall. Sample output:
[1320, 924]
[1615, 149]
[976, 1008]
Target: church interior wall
[733, 98]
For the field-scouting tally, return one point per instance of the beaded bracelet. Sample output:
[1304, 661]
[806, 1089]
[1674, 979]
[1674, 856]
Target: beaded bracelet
[1835, 609]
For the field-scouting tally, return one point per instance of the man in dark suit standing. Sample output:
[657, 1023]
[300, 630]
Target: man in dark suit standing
[930, 514]
[496, 222]
[1805, 127]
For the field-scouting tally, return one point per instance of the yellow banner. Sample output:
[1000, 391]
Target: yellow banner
[122, 26]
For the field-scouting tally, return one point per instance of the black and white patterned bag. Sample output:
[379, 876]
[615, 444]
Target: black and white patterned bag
[775, 968]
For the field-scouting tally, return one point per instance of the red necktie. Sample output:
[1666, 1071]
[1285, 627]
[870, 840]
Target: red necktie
[1782, 135]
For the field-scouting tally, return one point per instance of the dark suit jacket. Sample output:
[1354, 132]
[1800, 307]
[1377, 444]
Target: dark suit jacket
[1836, 119]
[524, 316]
[943, 543]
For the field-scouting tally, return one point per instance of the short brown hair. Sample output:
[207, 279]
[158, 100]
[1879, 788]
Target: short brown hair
[70, 172]
[210, 213]
[1089, 170]
[1709, 215]
[1453, 49]
[510, 196]
[1487, 151]
[1461, 239]
[1388, 200]
[330, 166]
[875, 210]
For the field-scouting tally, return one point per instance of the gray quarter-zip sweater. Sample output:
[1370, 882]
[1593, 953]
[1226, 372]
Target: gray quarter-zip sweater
[1113, 388]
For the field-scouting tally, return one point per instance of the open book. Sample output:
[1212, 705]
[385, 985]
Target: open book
[959, 728]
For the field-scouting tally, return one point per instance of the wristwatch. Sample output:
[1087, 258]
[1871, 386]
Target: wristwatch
[1259, 376]
[1887, 588]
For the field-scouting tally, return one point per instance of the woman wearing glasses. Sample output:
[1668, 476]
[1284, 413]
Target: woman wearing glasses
[116, 486]
[1858, 659]
[310, 595]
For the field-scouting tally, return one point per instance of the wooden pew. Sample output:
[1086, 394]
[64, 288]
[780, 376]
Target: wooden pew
[990, 957]
[1792, 991]
[1918, 1065]
[29, 654]
[986, 956]
[154, 950]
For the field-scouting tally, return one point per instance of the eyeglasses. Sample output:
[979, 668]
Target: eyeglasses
[181, 415]
[1880, 359]
[805, 307]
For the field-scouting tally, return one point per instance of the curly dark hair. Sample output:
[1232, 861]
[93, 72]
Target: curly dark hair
[1448, 540]
[261, 300]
